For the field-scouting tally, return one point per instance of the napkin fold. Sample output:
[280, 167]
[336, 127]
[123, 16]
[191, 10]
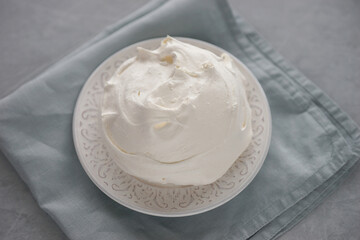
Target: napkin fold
[314, 144]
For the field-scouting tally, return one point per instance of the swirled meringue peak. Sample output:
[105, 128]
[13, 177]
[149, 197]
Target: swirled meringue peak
[177, 115]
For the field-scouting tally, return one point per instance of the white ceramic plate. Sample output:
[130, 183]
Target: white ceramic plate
[154, 200]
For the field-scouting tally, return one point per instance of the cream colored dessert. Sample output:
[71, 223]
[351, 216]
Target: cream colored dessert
[176, 115]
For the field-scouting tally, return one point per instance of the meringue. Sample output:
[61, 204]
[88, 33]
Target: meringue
[176, 115]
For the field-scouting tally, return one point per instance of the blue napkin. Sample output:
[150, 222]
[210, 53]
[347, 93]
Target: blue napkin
[314, 144]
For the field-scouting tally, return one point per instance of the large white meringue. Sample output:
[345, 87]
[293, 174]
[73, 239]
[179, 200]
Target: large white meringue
[176, 115]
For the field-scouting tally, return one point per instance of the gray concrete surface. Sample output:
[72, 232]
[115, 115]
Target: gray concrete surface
[320, 37]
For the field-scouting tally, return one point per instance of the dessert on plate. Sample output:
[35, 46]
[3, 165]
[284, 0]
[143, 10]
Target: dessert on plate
[176, 115]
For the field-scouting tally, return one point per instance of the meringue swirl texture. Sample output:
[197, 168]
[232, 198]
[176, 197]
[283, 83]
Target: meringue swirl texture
[177, 115]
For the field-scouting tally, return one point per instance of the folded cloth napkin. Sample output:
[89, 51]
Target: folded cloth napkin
[314, 144]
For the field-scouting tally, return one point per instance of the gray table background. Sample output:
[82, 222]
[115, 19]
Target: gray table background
[320, 37]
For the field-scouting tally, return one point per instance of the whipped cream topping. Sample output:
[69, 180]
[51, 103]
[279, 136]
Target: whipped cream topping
[176, 115]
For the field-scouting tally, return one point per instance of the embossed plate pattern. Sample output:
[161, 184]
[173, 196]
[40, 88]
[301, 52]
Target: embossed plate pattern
[154, 200]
